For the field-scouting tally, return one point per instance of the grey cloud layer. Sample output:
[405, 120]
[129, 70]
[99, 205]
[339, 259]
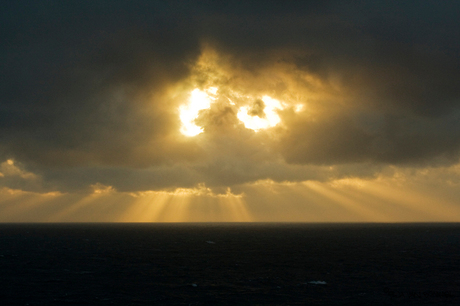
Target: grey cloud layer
[83, 88]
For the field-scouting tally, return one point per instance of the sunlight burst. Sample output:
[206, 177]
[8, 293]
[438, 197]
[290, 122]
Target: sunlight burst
[198, 101]
[268, 117]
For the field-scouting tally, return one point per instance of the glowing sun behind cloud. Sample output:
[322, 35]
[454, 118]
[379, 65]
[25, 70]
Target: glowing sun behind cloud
[264, 118]
[198, 101]
[261, 114]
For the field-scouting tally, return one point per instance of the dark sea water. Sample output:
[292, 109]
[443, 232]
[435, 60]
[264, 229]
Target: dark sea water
[230, 264]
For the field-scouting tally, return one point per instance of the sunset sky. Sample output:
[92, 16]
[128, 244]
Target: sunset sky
[171, 111]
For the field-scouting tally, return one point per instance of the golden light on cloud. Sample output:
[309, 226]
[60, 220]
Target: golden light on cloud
[9, 168]
[99, 188]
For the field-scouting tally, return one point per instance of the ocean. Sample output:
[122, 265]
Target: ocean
[230, 264]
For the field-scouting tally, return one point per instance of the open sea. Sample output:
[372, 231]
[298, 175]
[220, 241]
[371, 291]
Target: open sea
[230, 264]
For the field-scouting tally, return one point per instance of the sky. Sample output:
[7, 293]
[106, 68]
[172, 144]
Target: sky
[261, 111]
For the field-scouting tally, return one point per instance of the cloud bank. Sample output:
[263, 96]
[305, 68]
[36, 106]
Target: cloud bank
[91, 92]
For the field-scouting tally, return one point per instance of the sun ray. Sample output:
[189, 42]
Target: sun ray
[413, 203]
[146, 207]
[21, 205]
[80, 204]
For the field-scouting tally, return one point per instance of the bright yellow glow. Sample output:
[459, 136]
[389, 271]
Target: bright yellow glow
[270, 118]
[198, 101]
[262, 114]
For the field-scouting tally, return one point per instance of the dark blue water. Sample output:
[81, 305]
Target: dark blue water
[230, 264]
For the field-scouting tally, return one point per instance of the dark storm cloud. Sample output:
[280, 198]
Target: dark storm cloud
[399, 60]
[401, 56]
[390, 139]
[82, 84]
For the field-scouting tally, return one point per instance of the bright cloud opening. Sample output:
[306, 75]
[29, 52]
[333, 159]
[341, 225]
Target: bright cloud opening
[198, 101]
[256, 115]
[269, 119]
